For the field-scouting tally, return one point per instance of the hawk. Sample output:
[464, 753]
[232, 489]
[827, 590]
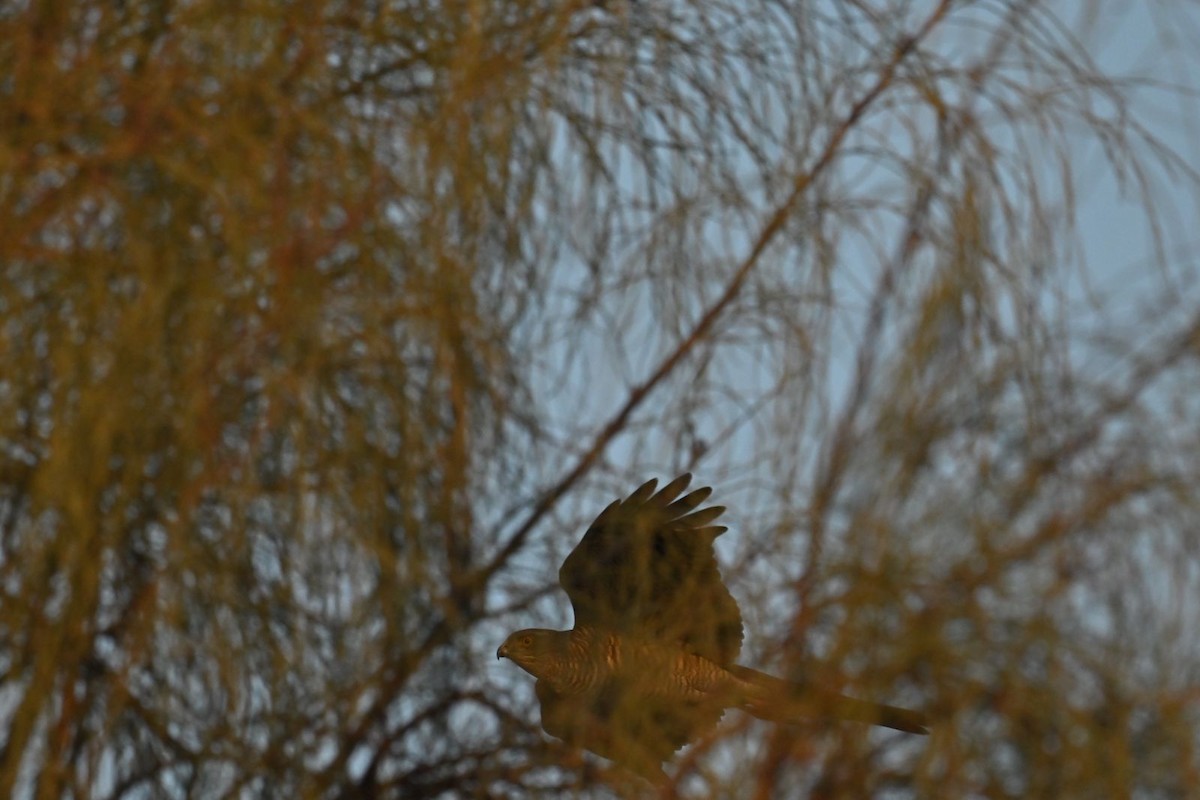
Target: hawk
[650, 664]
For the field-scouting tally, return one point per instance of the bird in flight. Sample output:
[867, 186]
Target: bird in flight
[650, 664]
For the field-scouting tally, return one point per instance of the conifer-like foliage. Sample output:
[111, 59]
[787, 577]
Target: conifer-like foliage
[325, 328]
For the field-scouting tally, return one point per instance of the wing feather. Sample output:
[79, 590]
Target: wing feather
[700, 518]
[669, 492]
[646, 567]
[689, 501]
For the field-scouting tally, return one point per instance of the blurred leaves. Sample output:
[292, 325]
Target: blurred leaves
[324, 327]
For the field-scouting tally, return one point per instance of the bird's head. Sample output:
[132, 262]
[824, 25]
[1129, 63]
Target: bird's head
[533, 648]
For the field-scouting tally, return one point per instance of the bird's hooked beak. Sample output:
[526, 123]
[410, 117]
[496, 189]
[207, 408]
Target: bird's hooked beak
[502, 651]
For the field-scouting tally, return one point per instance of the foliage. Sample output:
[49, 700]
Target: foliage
[325, 326]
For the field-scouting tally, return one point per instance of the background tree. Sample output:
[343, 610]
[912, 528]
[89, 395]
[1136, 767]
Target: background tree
[325, 328]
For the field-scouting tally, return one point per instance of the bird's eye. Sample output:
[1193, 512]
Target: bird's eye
[526, 640]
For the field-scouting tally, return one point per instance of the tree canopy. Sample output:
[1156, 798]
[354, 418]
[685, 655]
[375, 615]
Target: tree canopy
[326, 327]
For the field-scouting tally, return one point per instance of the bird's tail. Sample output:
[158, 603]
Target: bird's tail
[777, 700]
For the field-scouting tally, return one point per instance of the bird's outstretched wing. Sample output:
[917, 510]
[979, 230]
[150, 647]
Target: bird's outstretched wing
[646, 567]
[640, 741]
